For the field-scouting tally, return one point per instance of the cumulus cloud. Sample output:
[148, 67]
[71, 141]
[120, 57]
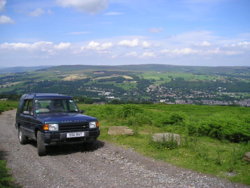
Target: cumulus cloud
[93, 45]
[181, 51]
[129, 43]
[6, 20]
[2, 4]
[136, 48]
[89, 6]
[63, 45]
[146, 44]
[241, 44]
[43, 46]
[205, 43]
[37, 12]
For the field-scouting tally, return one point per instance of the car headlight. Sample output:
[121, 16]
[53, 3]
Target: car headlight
[51, 127]
[92, 124]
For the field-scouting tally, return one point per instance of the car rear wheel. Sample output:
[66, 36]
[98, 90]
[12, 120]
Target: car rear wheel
[41, 148]
[22, 139]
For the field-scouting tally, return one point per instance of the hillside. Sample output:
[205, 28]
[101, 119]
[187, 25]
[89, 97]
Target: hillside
[137, 83]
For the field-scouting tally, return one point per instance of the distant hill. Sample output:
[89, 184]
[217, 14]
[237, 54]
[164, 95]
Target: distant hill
[20, 69]
[157, 67]
[137, 83]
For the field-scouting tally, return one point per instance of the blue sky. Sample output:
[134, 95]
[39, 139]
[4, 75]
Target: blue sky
[115, 32]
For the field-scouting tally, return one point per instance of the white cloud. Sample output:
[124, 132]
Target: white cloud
[113, 13]
[155, 30]
[242, 44]
[97, 46]
[5, 20]
[146, 44]
[2, 4]
[63, 45]
[37, 12]
[89, 6]
[205, 43]
[43, 46]
[129, 43]
[181, 51]
[138, 49]
[14, 46]
[207, 52]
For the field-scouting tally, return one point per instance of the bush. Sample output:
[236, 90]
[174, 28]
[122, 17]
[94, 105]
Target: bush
[229, 129]
[128, 110]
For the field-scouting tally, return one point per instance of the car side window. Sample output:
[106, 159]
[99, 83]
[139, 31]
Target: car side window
[28, 107]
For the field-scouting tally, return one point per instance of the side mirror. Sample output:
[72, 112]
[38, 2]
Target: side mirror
[81, 111]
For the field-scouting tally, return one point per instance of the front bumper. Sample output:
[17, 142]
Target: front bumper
[55, 138]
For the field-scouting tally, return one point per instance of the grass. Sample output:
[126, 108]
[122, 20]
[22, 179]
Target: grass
[6, 181]
[204, 153]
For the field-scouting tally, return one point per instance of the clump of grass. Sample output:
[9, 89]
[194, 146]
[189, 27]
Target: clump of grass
[5, 178]
[165, 144]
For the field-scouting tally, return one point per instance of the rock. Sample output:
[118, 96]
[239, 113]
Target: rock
[160, 137]
[247, 157]
[120, 130]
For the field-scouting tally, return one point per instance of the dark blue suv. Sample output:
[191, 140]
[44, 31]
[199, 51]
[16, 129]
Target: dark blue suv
[53, 119]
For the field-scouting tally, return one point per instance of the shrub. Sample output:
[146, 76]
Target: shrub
[128, 110]
[230, 129]
[176, 118]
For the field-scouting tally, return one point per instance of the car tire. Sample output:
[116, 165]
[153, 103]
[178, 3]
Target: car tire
[41, 148]
[22, 139]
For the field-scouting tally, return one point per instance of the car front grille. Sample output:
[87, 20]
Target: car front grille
[71, 127]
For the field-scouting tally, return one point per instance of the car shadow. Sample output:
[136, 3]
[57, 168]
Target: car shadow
[66, 149]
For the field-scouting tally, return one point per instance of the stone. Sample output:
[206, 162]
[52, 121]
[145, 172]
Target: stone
[120, 130]
[161, 137]
[247, 157]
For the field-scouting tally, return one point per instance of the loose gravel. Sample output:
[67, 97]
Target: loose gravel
[103, 165]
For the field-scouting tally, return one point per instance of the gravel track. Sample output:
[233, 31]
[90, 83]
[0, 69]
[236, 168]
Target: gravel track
[103, 165]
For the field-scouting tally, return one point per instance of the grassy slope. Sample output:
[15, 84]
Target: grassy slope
[5, 178]
[203, 154]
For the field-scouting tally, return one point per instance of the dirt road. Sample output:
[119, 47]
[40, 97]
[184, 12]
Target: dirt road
[105, 165]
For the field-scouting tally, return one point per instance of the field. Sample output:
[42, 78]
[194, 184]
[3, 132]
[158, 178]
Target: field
[136, 83]
[214, 138]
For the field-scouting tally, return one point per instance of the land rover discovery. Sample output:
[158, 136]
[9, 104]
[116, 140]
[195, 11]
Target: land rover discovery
[53, 119]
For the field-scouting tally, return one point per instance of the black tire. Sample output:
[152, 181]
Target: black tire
[41, 148]
[22, 139]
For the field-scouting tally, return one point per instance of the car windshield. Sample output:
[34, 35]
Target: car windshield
[55, 105]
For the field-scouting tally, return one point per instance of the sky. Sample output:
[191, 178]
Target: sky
[118, 32]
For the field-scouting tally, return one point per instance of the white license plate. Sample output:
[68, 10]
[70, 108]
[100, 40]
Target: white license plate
[75, 134]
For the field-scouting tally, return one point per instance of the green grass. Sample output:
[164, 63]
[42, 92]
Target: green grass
[7, 105]
[6, 181]
[204, 153]
[166, 77]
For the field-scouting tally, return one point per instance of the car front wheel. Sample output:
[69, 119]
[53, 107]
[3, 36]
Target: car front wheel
[41, 148]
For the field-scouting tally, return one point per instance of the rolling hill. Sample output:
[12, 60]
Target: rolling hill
[136, 83]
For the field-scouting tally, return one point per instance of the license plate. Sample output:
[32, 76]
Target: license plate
[75, 134]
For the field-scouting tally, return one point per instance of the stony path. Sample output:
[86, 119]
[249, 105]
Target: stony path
[104, 166]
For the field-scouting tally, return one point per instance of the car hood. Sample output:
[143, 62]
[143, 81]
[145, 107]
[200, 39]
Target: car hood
[65, 118]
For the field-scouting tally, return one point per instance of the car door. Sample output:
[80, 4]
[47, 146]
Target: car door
[27, 118]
